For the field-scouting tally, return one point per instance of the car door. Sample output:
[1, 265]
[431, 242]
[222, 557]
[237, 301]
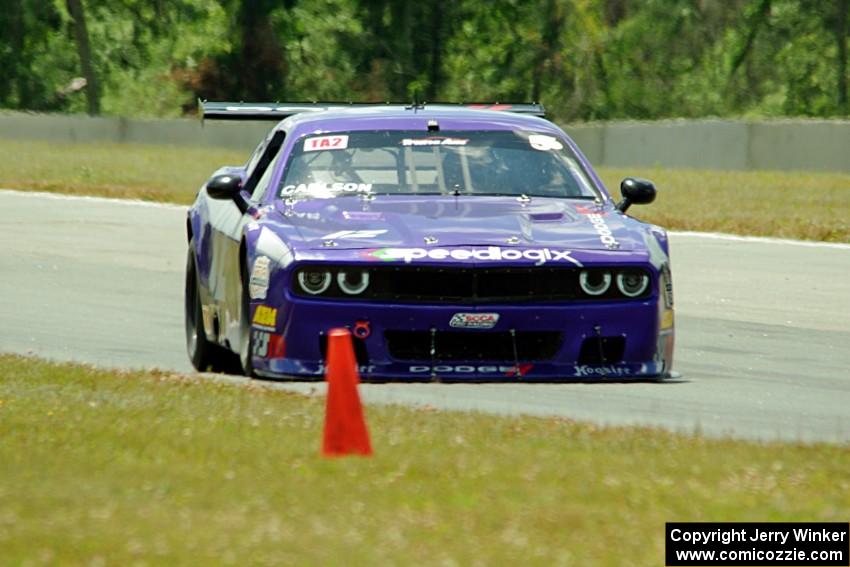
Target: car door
[228, 219]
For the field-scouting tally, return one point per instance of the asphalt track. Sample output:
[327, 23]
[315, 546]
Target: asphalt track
[763, 326]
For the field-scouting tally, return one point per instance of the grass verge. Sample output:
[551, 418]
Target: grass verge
[813, 206]
[125, 171]
[100, 466]
[805, 205]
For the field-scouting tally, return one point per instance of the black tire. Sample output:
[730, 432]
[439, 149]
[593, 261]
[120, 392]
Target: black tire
[204, 355]
[247, 343]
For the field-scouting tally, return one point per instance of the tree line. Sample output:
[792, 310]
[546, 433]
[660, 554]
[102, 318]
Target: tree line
[584, 59]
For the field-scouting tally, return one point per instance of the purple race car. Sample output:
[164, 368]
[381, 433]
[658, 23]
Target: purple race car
[457, 242]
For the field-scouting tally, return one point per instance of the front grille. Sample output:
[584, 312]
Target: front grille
[360, 352]
[469, 346]
[602, 350]
[465, 285]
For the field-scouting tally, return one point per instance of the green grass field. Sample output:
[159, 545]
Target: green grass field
[151, 173]
[98, 467]
[814, 206]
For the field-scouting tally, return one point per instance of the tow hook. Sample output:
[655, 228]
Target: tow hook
[362, 330]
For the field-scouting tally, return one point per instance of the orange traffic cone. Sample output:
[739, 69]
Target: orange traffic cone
[345, 428]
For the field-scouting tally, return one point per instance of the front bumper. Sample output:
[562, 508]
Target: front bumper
[645, 353]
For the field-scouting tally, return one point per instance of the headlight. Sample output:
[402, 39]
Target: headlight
[594, 282]
[353, 282]
[632, 283]
[314, 282]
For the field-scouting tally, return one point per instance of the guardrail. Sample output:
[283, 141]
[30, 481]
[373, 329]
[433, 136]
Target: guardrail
[820, 145]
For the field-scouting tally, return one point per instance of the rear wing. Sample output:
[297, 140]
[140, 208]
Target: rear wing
[280, 110]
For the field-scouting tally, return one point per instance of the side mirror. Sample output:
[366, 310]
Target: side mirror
[636, 191]
[224, 186]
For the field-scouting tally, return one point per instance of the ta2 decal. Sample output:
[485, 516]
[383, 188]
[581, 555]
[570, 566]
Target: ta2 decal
[325, 143]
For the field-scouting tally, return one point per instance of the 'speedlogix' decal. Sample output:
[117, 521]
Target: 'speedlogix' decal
[325, 143]
[258, 286]
[490, 253]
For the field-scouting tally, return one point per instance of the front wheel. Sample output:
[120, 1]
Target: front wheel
[204, 355]
[246, 348]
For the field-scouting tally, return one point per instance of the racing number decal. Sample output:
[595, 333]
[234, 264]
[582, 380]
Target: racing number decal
[267, 345]
[260, 343]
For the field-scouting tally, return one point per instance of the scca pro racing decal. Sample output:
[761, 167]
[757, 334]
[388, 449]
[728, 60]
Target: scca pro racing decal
[490, 253]
[474, 320]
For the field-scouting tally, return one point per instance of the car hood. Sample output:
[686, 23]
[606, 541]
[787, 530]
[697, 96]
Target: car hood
[351, 223]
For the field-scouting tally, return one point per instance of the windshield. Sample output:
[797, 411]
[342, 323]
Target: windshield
[398, 162]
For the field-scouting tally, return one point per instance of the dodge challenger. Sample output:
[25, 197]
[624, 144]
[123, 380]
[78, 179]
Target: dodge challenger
[456, 242]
